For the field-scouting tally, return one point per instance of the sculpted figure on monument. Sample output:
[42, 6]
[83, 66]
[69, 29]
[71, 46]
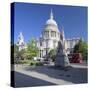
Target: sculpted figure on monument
[61, 56]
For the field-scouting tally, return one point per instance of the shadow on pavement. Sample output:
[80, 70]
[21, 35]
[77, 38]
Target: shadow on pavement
[74, 75]
[22, 80]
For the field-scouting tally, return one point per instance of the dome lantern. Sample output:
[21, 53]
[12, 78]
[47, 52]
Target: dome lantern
[51, 21]
[51, 14]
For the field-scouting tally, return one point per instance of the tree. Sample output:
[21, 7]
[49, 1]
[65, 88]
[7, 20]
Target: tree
[22, 54]
[52, 54]
[81, 47]
[19, 54]
[16, 51]
[32, 50]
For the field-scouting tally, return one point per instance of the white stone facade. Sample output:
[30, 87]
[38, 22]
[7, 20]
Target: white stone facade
[21, 44]
[71, 43]
[50, 37]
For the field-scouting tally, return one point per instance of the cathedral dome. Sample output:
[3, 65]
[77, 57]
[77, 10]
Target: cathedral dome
[51, 22]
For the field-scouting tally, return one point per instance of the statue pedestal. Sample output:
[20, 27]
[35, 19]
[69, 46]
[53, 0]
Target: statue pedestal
[61, 56]
[62, 60]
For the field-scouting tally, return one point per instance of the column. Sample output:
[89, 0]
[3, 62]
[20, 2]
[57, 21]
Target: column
[42, 53]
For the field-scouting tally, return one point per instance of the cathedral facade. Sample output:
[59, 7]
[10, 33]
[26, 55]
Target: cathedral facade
[49, 38]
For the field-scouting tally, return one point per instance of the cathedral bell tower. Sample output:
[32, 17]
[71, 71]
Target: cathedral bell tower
[21, 43]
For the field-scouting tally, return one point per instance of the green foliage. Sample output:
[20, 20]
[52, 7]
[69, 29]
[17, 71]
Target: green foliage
[36, 63]
[39, 64]
[16, 48]
[22, 54]
[31, 64]
[19, 54]
[81, 47]
[32, 50]
[52, 54]
[21, 62]
[25, 62]
[16, 51]
[28, 53]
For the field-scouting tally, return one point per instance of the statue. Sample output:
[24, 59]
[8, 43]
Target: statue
[61, 56]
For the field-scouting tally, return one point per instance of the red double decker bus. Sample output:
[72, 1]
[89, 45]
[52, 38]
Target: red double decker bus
[75, 57]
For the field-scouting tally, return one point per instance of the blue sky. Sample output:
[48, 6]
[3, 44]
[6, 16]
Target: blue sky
[31, 18]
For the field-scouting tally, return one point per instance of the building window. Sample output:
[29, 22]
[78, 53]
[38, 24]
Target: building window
[53, 34]
[40, 43]
[46, 34]
[46, 43]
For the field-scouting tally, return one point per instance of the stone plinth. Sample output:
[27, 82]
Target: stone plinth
[62, 60]
[61, 56]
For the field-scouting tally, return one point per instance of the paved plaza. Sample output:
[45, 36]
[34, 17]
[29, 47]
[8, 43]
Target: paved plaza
[49, 75]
